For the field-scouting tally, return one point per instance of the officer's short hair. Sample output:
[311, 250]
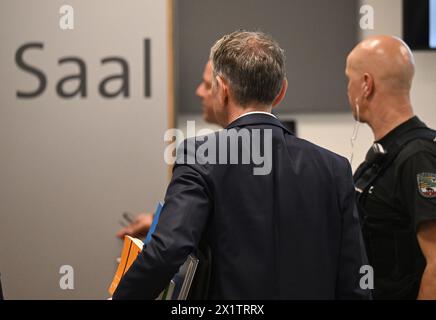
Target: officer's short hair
[252, 63]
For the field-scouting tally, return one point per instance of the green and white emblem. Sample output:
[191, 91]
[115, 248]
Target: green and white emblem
[427, 184]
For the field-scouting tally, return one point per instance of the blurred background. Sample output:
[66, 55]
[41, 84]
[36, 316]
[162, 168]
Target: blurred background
[83, 112]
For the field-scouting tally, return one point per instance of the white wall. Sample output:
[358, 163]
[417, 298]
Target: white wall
[70, 167]
[333, 131]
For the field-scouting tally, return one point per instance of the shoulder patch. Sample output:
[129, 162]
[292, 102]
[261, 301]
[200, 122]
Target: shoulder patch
[427, 184]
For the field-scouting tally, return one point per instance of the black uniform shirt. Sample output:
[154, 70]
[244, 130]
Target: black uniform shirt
[399, 200]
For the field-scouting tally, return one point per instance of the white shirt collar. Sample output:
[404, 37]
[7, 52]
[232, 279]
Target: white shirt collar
[254, 112]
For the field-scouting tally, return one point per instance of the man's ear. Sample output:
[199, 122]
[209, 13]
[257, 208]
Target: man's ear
[222, 90]
[281, 94]
[368, 86]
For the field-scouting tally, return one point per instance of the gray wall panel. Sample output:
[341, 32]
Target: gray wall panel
[316, 34]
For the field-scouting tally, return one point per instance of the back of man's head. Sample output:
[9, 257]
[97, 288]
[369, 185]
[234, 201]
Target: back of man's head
[388, 60]
[252, 63]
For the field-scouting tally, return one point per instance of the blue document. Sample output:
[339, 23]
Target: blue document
[154, 223]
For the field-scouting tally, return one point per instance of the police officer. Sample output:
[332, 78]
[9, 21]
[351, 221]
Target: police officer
[396, 184]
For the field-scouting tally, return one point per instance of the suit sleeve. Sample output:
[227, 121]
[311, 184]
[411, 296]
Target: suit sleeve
[352, 254]
[182, 220]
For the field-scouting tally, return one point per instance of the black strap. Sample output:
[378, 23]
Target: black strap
[371, 170]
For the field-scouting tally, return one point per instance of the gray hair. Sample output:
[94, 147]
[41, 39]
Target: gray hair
[253, 64]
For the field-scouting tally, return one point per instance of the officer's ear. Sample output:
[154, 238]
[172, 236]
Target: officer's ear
[368, 85]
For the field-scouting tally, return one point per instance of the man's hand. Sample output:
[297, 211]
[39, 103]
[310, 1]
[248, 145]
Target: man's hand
[427, 242]
[138, 228]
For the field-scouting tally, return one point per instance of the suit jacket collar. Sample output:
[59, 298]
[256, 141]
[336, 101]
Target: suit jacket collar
[257, 118]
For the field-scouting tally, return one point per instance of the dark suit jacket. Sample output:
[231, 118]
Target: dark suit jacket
[291, 234]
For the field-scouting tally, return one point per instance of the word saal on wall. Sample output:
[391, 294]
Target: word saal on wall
[75, 85]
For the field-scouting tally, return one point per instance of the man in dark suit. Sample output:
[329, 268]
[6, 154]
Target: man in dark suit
[280, 225]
